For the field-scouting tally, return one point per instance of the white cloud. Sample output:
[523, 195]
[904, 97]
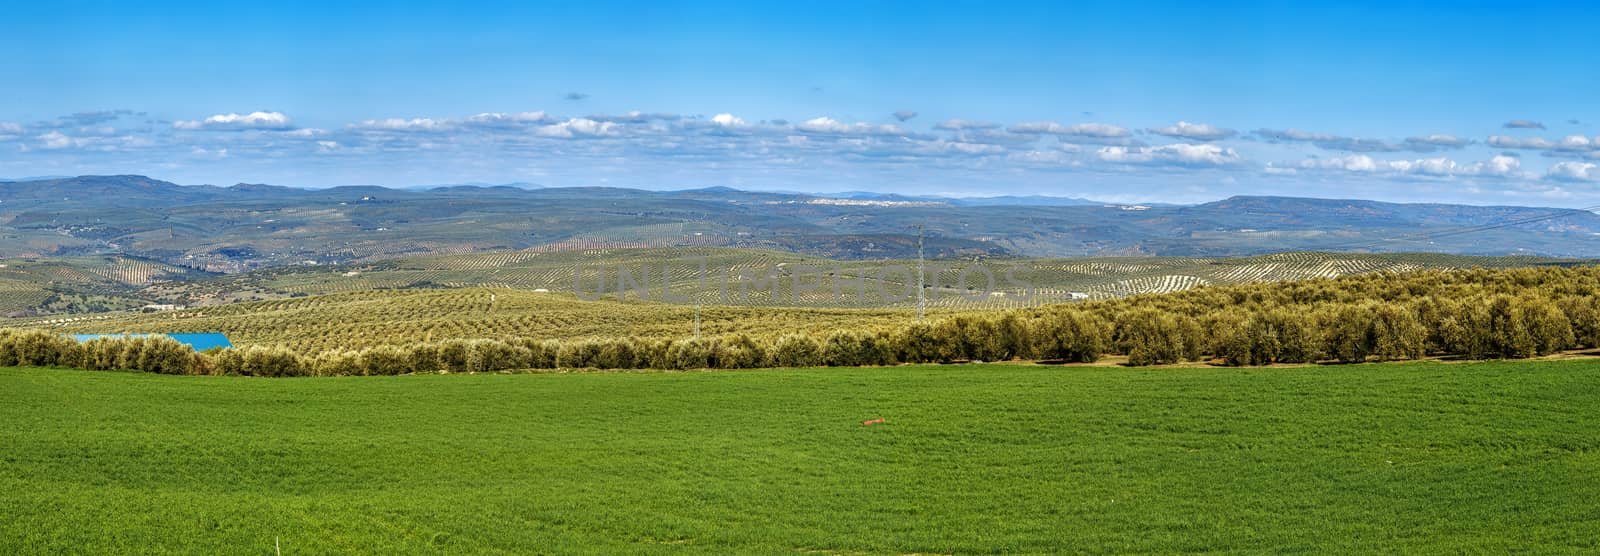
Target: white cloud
[9, 131]
[635, 117]
[1436, 141]
[505, 120]
[1569, 146]
[1053, 157]
[208, 153]
[1439, 167]
[728, 120]
[1500, 166]
[1292, 134]
[57, 140]
[830, 126]
[401, 124]
[1104, 131]
[486, 121]
[580, 127]
[1507, 142]
[1337, 142]
[1578, 143]
[1198, 132]
[1180, 154]
[942, 147]
[1328, 141]
[236, 122]
[1349, 163]
[1574, 171]
[964, 125]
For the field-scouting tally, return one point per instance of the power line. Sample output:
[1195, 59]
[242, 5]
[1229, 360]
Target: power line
[922, 298]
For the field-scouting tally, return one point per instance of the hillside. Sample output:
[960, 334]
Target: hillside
[246, 227]
[83, 284]
[822, 282]
[99, 284]
[365, 319]
[442, 298]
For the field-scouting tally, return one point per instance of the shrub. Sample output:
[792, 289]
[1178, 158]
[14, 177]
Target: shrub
[1152, 337]
[1016, 337]
[613, 355]
[916, 344]
[160, 354]
[543, 354]
[454, 355]
[423, 358]
[691, 354]
[1513, 327]
[847, 348]
[796, 350]
[1440, 317]
[1550, 328]
[1348, 333]
[652, 354]
[101, 354]
[1070, 335]
[484, 356]
[1397, 333]
[337, 362]
[577, 355]
[1299, 339]
[38, 348]
[385, 360]
[260, 361]
[740, 352]
[1583, 317]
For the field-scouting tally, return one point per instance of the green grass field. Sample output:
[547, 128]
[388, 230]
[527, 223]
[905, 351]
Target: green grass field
[1425, 457]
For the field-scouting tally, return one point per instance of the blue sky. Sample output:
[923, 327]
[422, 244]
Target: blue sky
[1460, 101]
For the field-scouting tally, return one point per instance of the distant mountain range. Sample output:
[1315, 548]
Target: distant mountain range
[1003, 200]
[250, 226]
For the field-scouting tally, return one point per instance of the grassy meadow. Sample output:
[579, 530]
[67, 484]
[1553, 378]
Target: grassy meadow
[1416, 457]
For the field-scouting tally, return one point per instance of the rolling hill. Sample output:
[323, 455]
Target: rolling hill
[712, 275]
[246, 227]
[522, 294]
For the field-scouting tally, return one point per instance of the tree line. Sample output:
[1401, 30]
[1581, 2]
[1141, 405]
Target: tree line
[1507, 313]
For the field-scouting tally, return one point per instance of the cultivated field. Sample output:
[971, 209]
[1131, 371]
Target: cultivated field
[397, 317]
[743, 277]
[81, 284]
[1474, 458]
[825, 282]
